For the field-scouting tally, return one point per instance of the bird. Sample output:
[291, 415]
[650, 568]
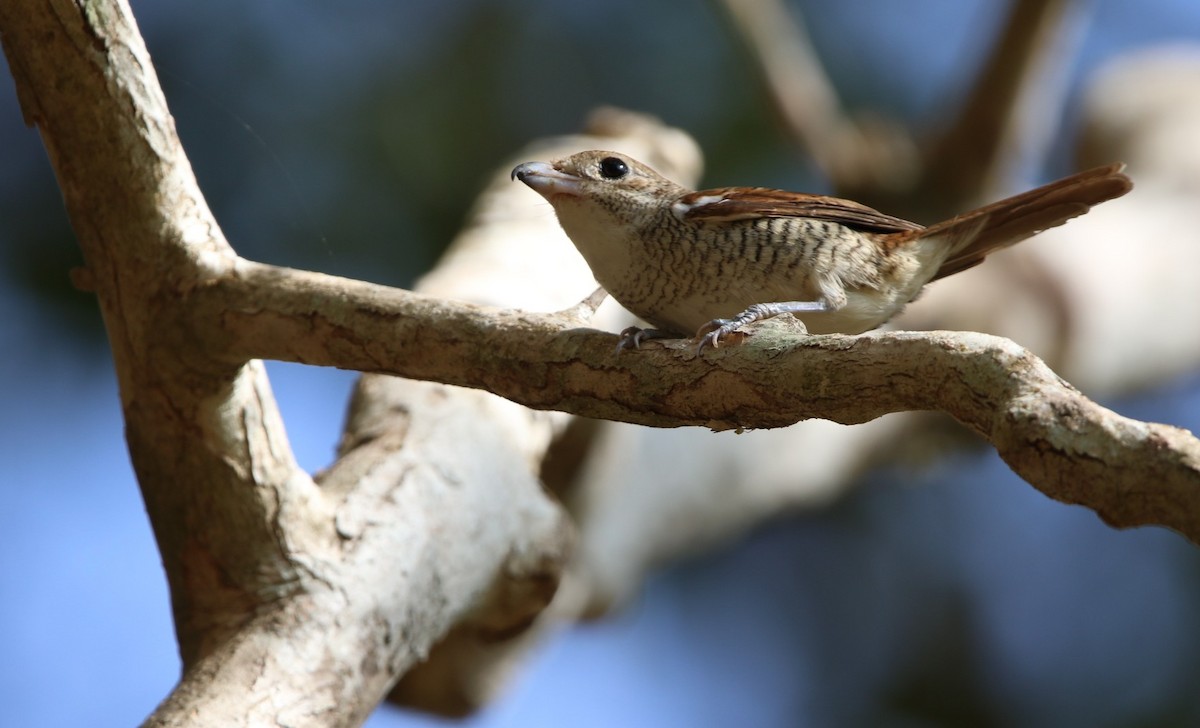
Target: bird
[715, 260]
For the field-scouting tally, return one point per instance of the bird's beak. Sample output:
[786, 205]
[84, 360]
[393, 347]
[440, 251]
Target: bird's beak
[546, 180]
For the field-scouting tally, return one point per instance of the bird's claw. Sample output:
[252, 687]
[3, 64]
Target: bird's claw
[632, 337]
[711, 333]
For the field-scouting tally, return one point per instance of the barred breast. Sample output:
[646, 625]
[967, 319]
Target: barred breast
[692, 273]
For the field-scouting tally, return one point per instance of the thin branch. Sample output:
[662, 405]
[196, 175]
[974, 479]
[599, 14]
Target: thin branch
[860, 155]
[1131, 473]
[792, 73]
[875, 158]
[971, 158]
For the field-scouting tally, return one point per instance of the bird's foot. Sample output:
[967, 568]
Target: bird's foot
[712, 333]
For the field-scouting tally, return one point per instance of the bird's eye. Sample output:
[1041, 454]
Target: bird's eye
[613, 168]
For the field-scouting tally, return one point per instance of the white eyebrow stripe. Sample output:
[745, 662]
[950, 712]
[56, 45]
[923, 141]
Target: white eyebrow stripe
[681, 209]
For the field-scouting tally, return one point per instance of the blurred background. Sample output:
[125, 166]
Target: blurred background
[351, 139]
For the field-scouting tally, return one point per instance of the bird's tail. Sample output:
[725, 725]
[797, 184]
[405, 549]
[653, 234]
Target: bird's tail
[975, 234]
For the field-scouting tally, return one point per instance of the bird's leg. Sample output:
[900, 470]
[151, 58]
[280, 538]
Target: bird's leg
[711, 333]
[632, 337]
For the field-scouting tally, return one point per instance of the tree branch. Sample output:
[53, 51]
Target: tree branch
[1073, 450]
[876, 158]
[856, 154]
[293, 603]
[973, 158]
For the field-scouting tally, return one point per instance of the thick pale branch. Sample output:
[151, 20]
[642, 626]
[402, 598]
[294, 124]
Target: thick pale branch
[510, 253]
[1131, 473]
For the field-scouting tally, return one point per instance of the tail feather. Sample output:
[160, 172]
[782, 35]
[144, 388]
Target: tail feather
[975, 234]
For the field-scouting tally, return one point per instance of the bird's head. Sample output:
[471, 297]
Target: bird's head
[599, 188]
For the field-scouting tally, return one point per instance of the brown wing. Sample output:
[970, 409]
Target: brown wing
[741, 203]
